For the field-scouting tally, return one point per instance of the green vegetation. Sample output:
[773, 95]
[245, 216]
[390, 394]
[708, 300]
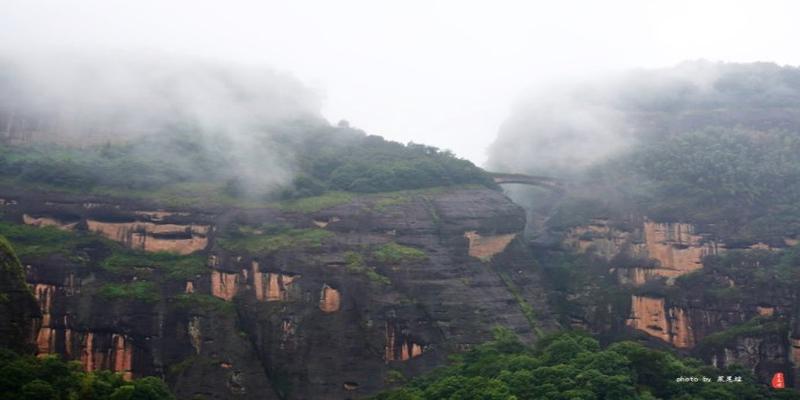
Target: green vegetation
[393, 253]
[370, 164]
[49, 378]
[572, 365]
[17, 304]
[173, 266]
[257, 241]
[205, 302]
[357, 265]
[316, 203]
[45, 241]
[10, 268]
[30, 241]
[757, 272]
[745, 180]
[138, 290]
[524, 306]
[177, 169]
[756, 327]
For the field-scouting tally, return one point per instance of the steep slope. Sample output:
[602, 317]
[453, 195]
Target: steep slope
[296, 300]
[681, 229]
[17, 305]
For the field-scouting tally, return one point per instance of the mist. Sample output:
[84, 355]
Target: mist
[231, 112]
[573, 127]
[444, 73]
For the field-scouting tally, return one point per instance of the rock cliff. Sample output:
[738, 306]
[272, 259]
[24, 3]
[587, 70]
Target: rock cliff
[334, 302]
[670, 282]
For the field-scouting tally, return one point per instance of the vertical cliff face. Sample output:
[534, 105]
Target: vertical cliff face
[329, 299]
[651, 316]
[153, 237]
[681, 291]
[224, 285]
[328, 307]
[399, 346]
[45, 338]
[676, 247]
[484, 247]
[662, 250]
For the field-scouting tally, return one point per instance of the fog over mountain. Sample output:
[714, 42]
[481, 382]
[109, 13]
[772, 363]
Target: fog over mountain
[562, 129]
[231, 112]
[291, 200]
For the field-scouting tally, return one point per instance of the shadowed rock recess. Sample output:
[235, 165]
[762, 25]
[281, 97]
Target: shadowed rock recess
[281, 305]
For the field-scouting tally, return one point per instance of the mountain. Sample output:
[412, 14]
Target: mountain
[682, 227]
[238, 255]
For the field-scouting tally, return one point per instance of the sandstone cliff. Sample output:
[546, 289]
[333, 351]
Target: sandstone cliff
[330, 303]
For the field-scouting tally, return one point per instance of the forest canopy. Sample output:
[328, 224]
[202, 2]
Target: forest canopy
[25, 377]
[321, 158]
[572, 365]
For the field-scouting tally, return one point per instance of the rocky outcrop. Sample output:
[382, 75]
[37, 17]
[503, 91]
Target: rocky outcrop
[484, 247]
[399, 345]
[273, 286]
[45, 339]
[677, 248]
[329, 299]
[152, 237]
[651, 316]
[45, 221]
[598, 237]
[224, 285]
[147, 230]
[295, 320]
[657, 250]
[763, 354]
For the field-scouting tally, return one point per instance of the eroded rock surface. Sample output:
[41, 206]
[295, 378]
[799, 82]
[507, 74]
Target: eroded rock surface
[153, 237]
[663, 249]
[300, 321]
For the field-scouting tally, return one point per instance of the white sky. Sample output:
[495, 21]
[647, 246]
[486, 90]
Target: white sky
[444, 73]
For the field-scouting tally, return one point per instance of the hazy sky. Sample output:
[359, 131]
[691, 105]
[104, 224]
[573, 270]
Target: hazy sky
[440, 72]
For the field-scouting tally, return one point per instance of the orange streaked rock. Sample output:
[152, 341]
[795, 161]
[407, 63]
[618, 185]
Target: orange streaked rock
[648, 314]
[484, 247]
[399, 347]
[87, 353]
[681, 334]
[45, 334]
[123, 356]
[44, 221]
[224, 285]
[597, 237]
[329, 300]
[765, 311]
[271, 286]
[143, 235]
[676, 247]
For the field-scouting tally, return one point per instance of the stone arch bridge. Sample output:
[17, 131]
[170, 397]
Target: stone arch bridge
[545, 182]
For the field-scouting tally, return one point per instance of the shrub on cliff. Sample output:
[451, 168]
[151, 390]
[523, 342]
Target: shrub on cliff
[393, 253]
